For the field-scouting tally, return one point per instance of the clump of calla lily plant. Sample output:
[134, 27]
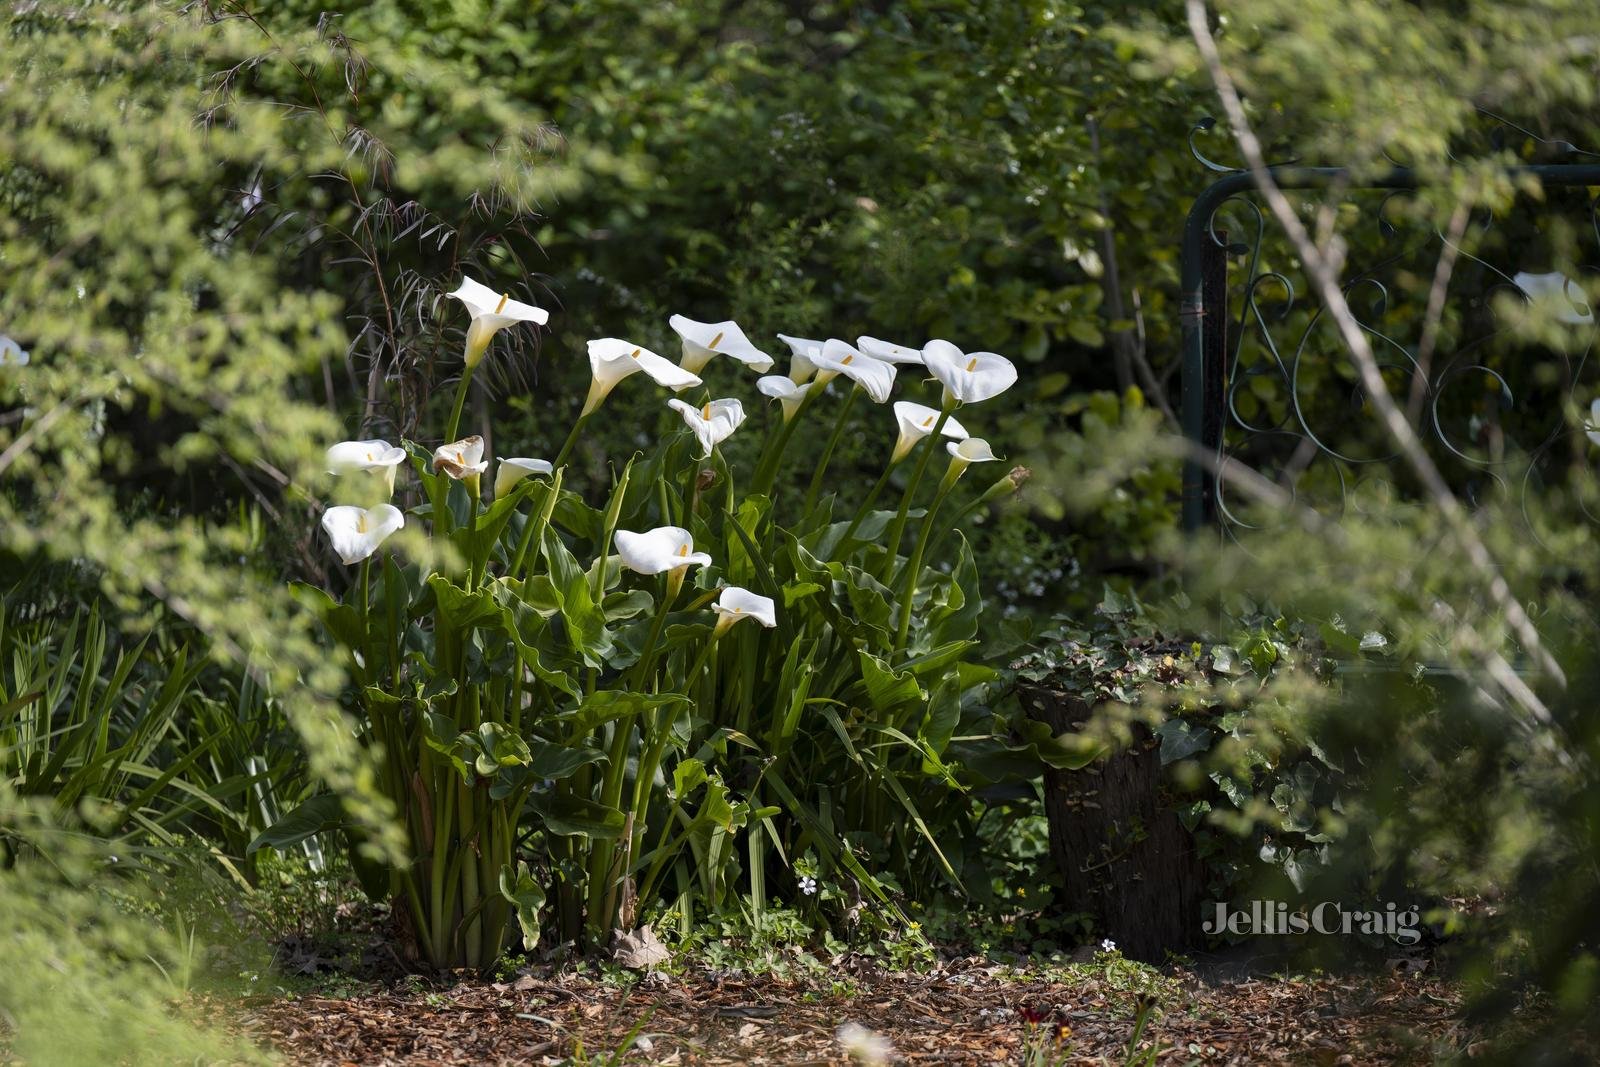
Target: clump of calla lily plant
[642, 703]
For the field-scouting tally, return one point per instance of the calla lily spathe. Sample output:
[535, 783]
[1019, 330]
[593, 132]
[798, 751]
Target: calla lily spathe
[917, 421]
[349, 457]
[491, 313]
[734, 604]
[356, 533]
[712, 423]
[612, 359]
[784, 390]
[874, 376]
[888, 351]
[1561, 294]
[702, 340]
[658, 551]
[461, 459]
[968, 378]
[964, 453]
[11, 353]
[802, 368]
[1592, 427]
[509, 471]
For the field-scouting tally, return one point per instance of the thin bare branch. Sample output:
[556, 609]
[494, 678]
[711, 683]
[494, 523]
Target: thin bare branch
[1434, 316]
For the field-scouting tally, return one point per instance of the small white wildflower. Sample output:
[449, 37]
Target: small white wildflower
[1108, 945]
[808, 885]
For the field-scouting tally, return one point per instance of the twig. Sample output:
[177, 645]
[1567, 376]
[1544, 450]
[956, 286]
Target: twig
[25, 440]
[1434, 316]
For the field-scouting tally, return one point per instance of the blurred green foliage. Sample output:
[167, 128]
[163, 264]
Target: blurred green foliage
[83, 977]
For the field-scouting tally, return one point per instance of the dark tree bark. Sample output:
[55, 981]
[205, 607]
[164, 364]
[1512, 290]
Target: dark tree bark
[1123, 854]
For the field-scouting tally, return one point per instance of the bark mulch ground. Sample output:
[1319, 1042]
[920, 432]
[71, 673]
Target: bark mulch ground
[968, 1011]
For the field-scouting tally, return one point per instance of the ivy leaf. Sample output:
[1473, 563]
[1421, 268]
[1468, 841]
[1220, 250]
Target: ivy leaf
[1181, 739]
[1065, 752]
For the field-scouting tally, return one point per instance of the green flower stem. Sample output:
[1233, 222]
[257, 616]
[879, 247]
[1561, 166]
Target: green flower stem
[613, 515]
[536, 524]
[648, 884]
[572, 439]
[397, 632]
[366, 601]
[651, 761]
[474, 566]
[1006, 486]
[604, 853]
[898, 527]
[600, 860]
[767, 470]
[866, 505]
[641, 670]
[827, 452]
[692, 501]
[721, 463]
[914, 564]
[461, 399]
[469, 874]
[444, 806]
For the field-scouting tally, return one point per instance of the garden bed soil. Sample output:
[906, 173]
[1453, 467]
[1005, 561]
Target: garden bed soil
[967, 1011]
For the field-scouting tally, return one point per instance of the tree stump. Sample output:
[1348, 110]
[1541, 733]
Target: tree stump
[1123, 854]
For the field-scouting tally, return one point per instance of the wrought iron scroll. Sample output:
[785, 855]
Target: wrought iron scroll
[1257, 338]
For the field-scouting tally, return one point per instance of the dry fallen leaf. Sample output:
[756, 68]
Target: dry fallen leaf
[640, 950]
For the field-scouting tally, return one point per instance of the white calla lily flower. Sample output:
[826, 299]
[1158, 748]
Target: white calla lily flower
[12, 354]
[783, 389]
[734, 603]
[509, 471]
[356, 533]
[462, 460]
[491, 313]
[659, 551]
[874, 376]
[1592, 427]
[349, 457]
[712, 423]
[612, 359]
[888, 351]
[972, 450]
[702, 340]
[802, 367]
[916, 422]
[1561, 294]
[969, 378]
